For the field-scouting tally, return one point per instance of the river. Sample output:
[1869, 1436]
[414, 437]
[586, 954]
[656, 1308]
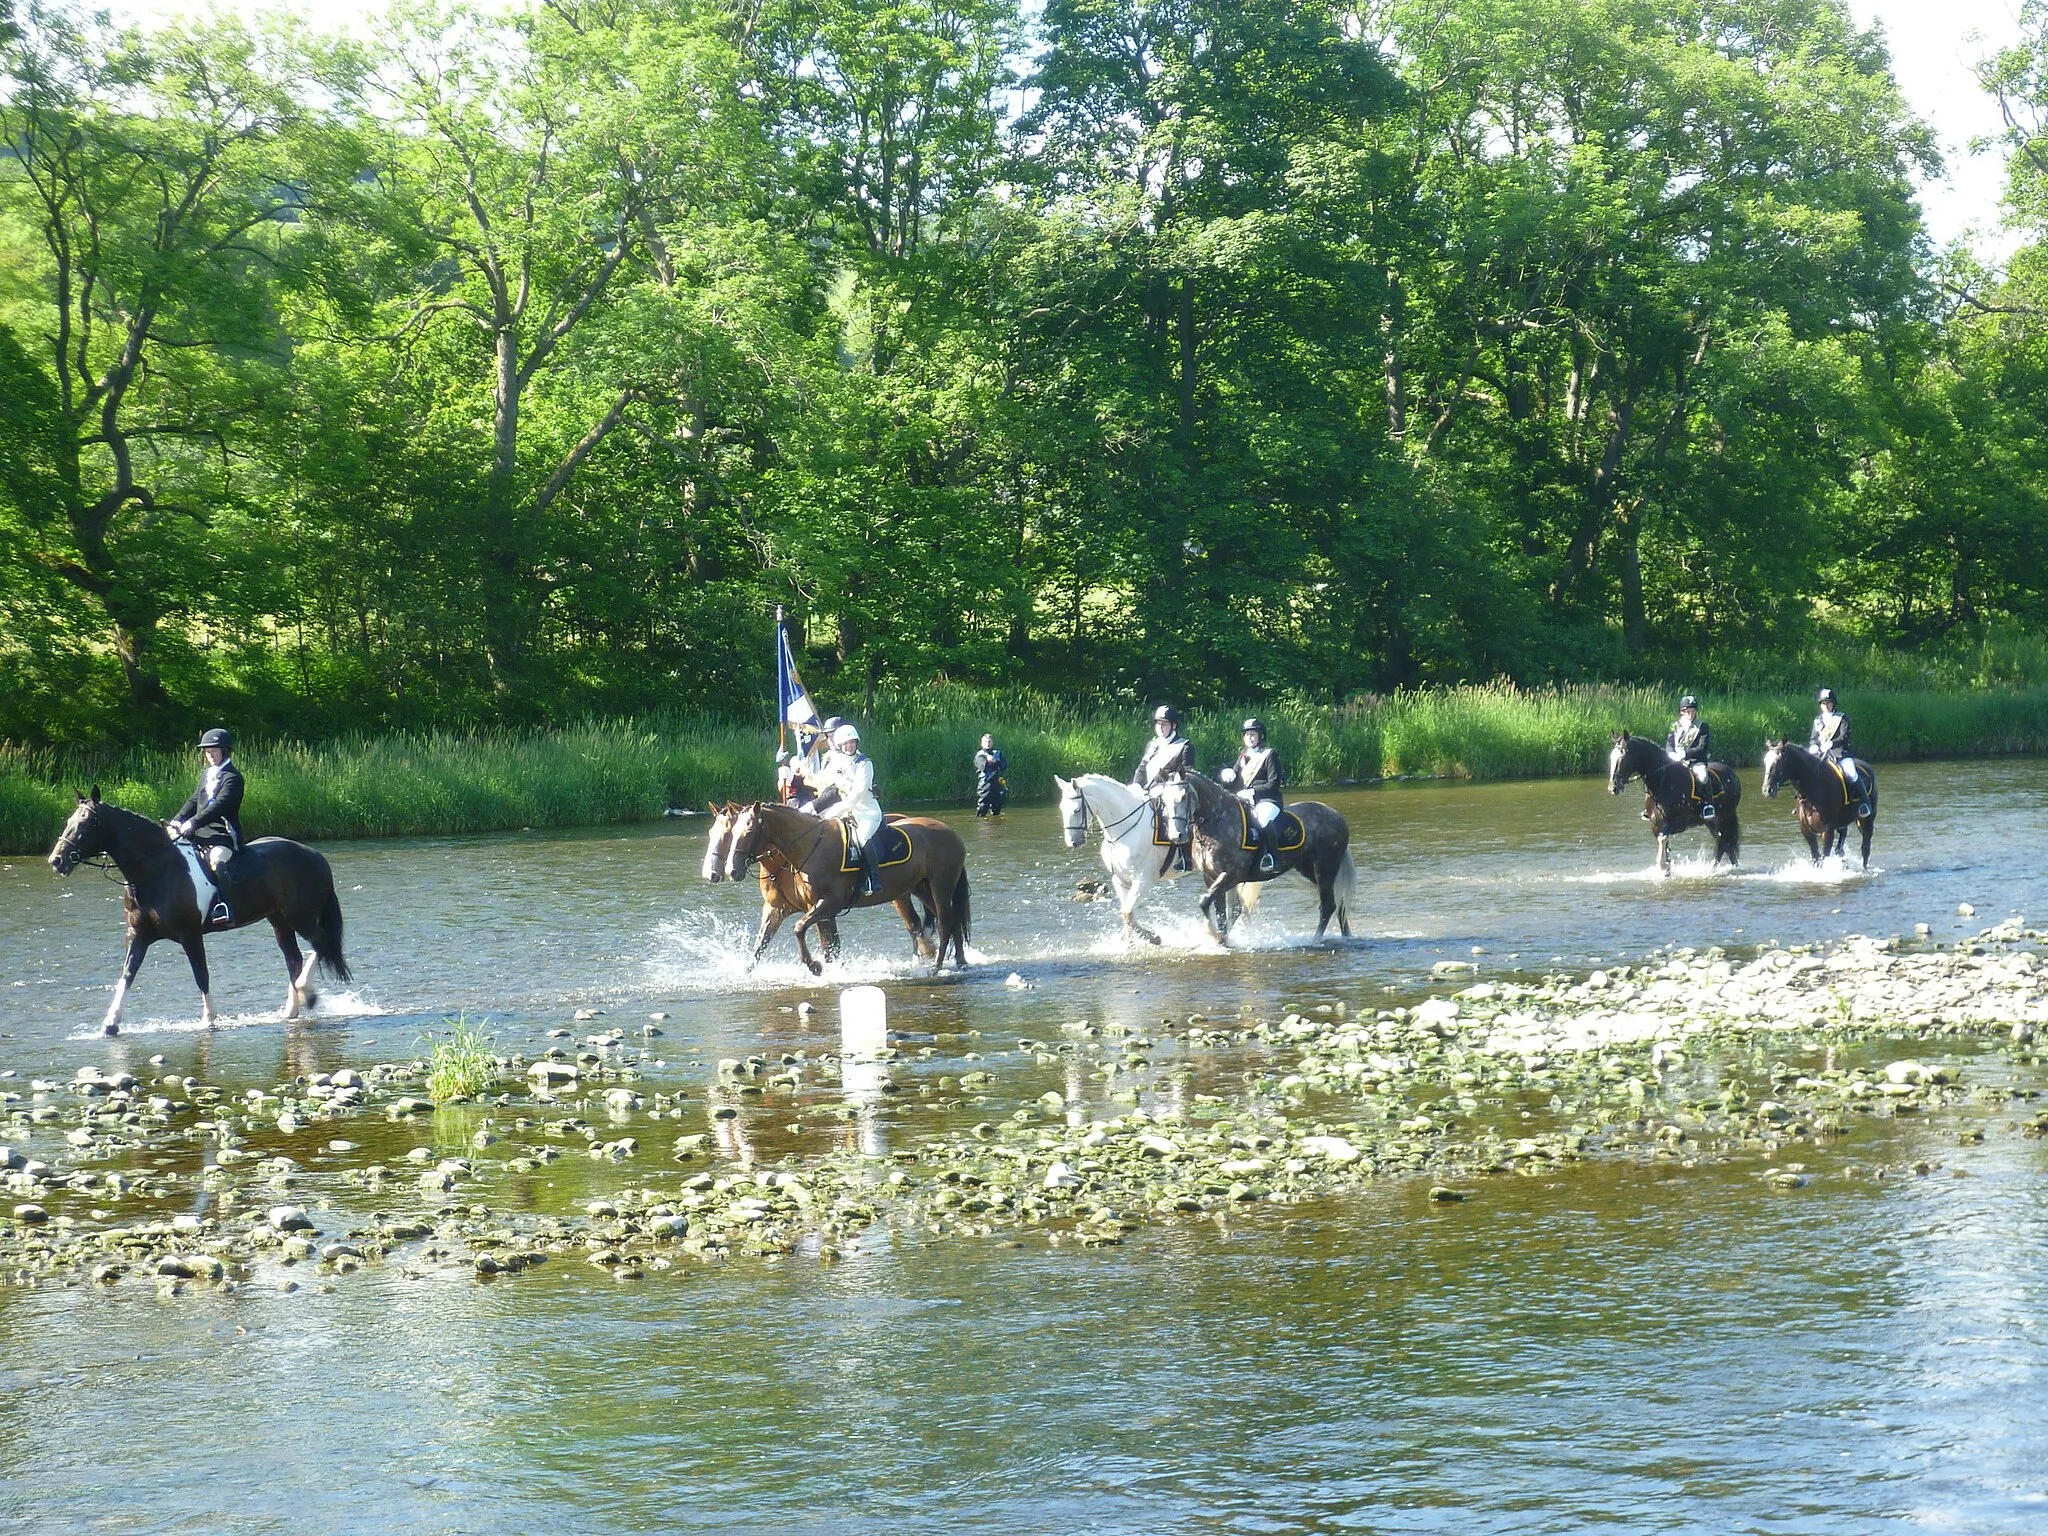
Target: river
[1620, 1347]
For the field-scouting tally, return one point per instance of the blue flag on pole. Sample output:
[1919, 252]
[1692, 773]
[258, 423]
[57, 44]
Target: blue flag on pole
[792, 699]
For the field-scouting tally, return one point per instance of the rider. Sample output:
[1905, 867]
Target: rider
[211, 819]
[990, 788]
[1166, 754]
[1690, 743]
[1258, 777]
[1830, 740]
[847, 784]
[804, 776]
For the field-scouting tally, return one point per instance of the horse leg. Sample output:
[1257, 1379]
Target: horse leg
[771, 920]
[1129, 889]
[138, 946]
[821, 913]
[1868, 825]
[195, 952]
[1663, 854]
[911, 925]
[1326, 899]
[1215, 906]
[294, 962]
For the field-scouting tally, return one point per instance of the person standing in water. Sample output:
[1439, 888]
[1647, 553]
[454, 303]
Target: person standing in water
[990, 788]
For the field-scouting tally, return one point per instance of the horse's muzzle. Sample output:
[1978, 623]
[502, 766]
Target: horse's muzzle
[63, 861]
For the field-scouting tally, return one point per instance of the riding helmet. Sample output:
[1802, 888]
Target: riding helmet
[1253, 724]
[844, 735]
[832, 723]
[1688, 702]
[217, 738]
[1825, 696]
[1167, 713]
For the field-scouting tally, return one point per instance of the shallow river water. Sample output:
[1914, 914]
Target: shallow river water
[1619, 1347]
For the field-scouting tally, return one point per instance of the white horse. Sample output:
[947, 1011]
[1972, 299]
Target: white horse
[1125, 815]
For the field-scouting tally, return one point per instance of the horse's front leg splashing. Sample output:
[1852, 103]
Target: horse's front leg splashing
[131, 962]
[195, 952]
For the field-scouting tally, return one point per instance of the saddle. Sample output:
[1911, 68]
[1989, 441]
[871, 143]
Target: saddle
[1288, 832]
[1159, 837]
[1850, 794]
[889, 846]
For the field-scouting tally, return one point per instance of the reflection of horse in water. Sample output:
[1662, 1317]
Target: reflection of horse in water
[818, 875]
[276, 878]
[1137, 846]
[1310, 840]
[1826, 803]
[1675, 801]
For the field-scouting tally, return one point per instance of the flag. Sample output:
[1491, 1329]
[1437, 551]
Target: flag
[792, 699]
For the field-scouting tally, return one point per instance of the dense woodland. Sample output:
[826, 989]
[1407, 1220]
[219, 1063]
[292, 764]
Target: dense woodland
[498, 367]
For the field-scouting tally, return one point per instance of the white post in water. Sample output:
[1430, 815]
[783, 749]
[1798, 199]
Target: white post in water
[863, 1037]
[863, 1021]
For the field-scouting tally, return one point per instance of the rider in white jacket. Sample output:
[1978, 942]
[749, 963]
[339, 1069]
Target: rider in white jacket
[846, 788]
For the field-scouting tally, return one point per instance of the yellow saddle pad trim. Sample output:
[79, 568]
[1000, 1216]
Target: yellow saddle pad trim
[848, 864]
[1292, 833]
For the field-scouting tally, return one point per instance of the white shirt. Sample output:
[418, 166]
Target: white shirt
[853, 775]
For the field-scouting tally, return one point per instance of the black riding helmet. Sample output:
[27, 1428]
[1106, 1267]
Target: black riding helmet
[1167, 713]
[1688, 702]
[1825, 696]
[1253, 724]
[217, 738]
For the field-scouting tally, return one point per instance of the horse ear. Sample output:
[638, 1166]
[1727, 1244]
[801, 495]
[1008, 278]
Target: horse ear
[95, 794]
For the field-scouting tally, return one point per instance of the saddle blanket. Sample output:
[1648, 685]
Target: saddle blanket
[889, 846]
[1288, 832]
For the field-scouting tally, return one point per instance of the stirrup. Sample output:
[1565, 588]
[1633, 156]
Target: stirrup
[1706, 811]
[220, 915]
[1267, 863]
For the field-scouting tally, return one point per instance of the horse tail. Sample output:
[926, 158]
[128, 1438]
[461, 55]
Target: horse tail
[1733, 845]
[962, 916]
[1345, 886]
[326, 939]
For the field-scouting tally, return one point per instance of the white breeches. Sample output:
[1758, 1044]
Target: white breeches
[1264, 812]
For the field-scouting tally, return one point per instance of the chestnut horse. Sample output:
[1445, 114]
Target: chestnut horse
[823, 879]
[1824, 805]
[780, 896]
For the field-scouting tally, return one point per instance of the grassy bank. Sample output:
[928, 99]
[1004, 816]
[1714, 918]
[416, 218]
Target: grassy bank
[923, 742]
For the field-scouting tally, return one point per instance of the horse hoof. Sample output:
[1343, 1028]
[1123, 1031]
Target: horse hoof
[110, 1028]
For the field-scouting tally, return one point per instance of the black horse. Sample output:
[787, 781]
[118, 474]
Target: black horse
[1674, 800]
[1317, 847]
[167, 896]
[1825, 805]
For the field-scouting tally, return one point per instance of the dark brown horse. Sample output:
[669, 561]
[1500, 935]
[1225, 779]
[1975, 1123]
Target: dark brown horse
[167, 895]
[1673, 800]
[780, 896]
[1825, 806]
[914, 855]
[1316, 846]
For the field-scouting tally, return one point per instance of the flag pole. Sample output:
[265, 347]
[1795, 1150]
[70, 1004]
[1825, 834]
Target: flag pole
[781, 714]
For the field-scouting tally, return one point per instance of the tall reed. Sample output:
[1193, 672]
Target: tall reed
[923, 744]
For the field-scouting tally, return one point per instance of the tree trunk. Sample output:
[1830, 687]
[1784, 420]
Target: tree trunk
[1635, 629]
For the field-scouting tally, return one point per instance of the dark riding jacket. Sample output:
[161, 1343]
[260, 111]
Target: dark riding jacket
[1830, 735]
[1689, 743]
[215, 820]
[1163, 757]
[1258, 771]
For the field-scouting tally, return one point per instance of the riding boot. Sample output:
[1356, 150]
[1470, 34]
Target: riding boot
[221, 914]
[870, 877]
[1269, 860]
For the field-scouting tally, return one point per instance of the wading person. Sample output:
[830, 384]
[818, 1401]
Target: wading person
[1691, 743]
[1166, 754]
[1257, 778]
[211, 819]
[1830, 738]
[847, 789]
[990, 788]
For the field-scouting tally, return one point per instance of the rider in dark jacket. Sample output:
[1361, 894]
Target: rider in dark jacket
[1691, 743]
[1166, 754]
[1830, 739]
[1258, 778]
[211, 818]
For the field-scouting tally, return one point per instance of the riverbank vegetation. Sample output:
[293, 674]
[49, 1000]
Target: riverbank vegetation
[923, 743]
[498, 368]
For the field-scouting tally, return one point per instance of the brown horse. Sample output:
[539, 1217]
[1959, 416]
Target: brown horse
[167, 892]
[780, 895]
[914, 855]
[1826, 807]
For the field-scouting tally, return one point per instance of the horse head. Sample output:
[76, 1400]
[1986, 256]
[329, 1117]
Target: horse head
[745, 845]
[719, 841]
[1618, 771]
[1073, 811]
[1774, 766]
[84, 835]
[1175, 799]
